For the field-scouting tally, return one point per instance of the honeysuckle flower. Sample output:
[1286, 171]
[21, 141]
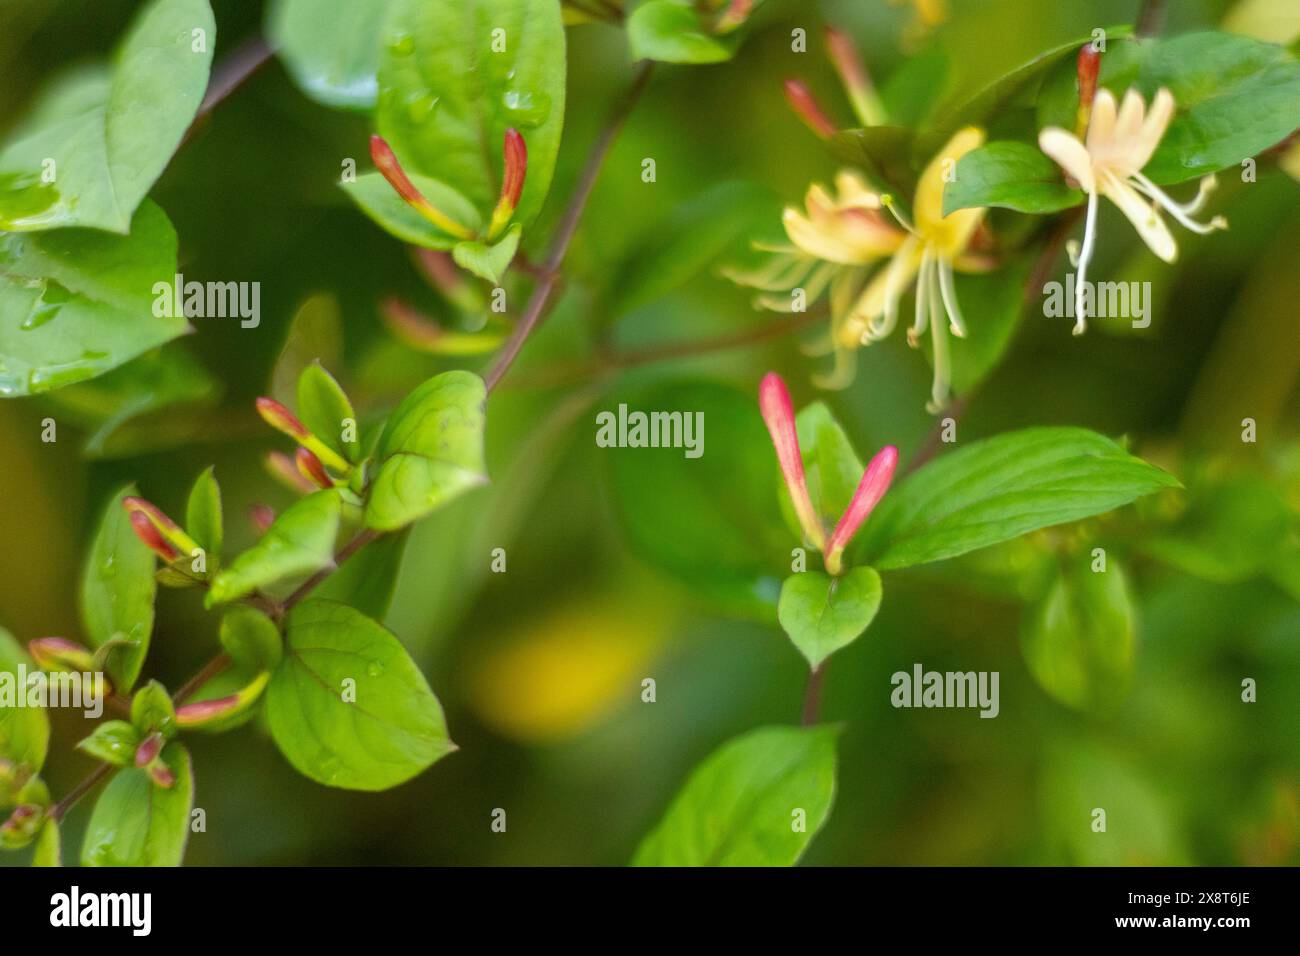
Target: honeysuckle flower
[778, 414]
[1120, 141]
[875, 482]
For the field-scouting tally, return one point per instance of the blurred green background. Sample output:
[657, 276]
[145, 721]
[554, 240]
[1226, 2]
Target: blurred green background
[540, 669]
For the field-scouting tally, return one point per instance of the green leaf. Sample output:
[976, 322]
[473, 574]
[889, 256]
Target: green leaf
[367, 580]
[136, 823]
[671, 31]
[883, 151]
[712, 522]
[446, 98]
[152, 710]
[693, 238]
[738, 808]
[117, 592]
[1079, 639]
[109, 130]
[1233, 530]
[380, 202]
[135, 407]
[999, 488]
[991, 101]
[251, 638]
[347, 706]
[114, 742]
[75, 304]
[431, 451]
[331, 47]
[315, 335]
[300, 541]
[1236, 97]
[24, 731]
[326, 410]
[488, 261]
[1011, 175]
[203, 515]
[49, 845]
[822, 614]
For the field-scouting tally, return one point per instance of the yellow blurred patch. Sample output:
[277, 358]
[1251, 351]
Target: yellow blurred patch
[567, 671]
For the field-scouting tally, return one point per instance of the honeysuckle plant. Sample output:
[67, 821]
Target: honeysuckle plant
[934, 203]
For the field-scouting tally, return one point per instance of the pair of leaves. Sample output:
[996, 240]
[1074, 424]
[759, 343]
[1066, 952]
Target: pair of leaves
[76, 303]
[347, 706]
[756, 801]
[110, 130]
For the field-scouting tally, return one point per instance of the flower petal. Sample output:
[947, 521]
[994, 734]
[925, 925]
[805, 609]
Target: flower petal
[1070, 154]
[1153, 129]
[927, 208]
[1101, 128]
[1144, 216]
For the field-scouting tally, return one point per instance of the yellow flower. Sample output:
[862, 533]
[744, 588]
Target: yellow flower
[934, 246]
[836, 241]
[1120, 141]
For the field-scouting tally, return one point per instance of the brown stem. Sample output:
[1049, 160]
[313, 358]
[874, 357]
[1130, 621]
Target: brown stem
[209, 670]
[538, 303]
[1149, 18]
[231, 73]
[80, 790]
[812, 695]
[362, 539]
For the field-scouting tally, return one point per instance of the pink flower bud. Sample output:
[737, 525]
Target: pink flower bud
[807, 109]
[162, 775]
[733, 16]
[386, 162]
[283, 469]
[144, 530]
[201, 712]
[875, 482]
[149, 750]
[853, 74]
[310, 467]
[778, 413]
[61, 654]
[262, 516]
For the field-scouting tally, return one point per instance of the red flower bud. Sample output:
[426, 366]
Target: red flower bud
[853, 74]
[512, 180]
[144, 530]
[734, 16]
[386, 162]
[310, 467]
[778, 413]
[281, 419]
[807, 109]
[1089, 65]
[162, 775]
[875, 482]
